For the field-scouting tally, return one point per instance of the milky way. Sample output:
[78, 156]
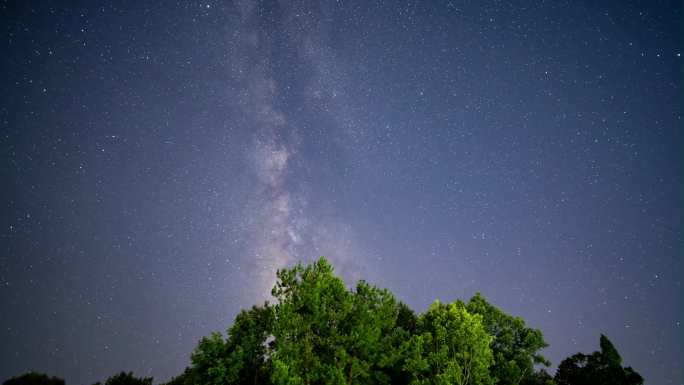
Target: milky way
[281, 228]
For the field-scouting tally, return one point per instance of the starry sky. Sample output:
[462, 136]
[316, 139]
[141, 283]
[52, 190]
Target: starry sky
[160, 161]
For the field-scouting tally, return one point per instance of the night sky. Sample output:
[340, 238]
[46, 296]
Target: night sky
[160, 161]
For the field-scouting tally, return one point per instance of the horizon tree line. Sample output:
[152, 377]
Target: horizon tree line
[321, 332]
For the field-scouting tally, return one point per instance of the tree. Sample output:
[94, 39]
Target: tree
[406, 318]
[541, 377]
[515, 346]
[188, 377]
[239, 359]
[322, 332]
[602, 367]
[209, 359]
[373, 337]
[124, 378]
[34, 378]
[311, 324]
[248, 346]
[452, 347]
[327, 334]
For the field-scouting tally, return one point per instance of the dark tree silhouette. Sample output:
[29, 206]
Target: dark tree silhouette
[602, 367]
[124, 378]
[33, 378]
[188, 377]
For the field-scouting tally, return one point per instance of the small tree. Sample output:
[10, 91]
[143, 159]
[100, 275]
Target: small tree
[602, 367]
[327, 334]
[311, 321]
[124, 378]
[452, 347]
[188, 377]
[514, 345]
[242, 358]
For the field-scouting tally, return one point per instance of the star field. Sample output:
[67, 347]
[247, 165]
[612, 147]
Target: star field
[161, 161]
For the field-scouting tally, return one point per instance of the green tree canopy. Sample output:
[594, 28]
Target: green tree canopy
[514, 345]
[239, 359]
[319, 331]
[188, 377]
[450, 347]
[327, 334]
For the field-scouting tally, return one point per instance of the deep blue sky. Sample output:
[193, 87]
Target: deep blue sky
[160, 161]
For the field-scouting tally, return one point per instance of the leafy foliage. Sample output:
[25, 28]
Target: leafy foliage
[515, 346]
[451, 347]
[319, 331]
[239, 359]
[326, 334]
[188, 377]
